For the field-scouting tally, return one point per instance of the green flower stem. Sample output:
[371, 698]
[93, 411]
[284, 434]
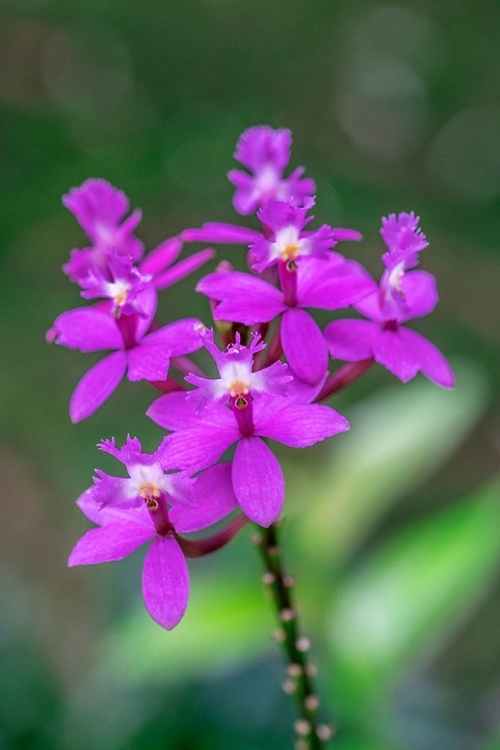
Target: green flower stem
[311, 734]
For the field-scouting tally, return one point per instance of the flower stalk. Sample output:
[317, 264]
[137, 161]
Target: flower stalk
[344, 377]
[200, 547]
[311, 733]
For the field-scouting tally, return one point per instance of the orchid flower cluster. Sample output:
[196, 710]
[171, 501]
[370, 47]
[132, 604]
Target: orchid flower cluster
[272, 359]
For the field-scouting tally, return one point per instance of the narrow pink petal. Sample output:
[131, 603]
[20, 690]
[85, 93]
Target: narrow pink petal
[148, 300]
[97, 385]
[370, 306]
[228, 234]
[183, 269]
[181, 337]
[174, 412]
[163, 255]
[246, 197]
[245, 298]
[165, 582]
[198, 447]
[432, 363]
[148, 362]
[351, 340]
[305, 393]
[106, 515]
[258, 481]
[330, 285]
[304, 345]
[300, 425]
[420, 294]
[110, 542]
[115, 491]
[390, 350]
[345, 235]
[214, 496]
[88, 330]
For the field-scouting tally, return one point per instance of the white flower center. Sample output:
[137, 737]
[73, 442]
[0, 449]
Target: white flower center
[395, 279]
[236, 378]
[118, 292]
[266, 183]
[148, 481]
[288, 245]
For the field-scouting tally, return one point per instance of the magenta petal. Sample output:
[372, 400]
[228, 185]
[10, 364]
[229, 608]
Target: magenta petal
[346, 235]
[245, 299]
[390, 350]
[305, 393]
[198, 447]
[246, 198]
[432, 363]
[258, 481]
[88, 330]
[110, 542]
[181, 337]
[214, 496]
[148, 300]
[183, 269]
[300, 425]
[330, 285]
[97, 385]
[370, 306]
[115, 491]
[103, 516]
[163, 255]
[229, 234]
[420, 294]
[261, 146]
[90, 508]
[351, 340]
[174, 412]
[96, 202]
[165, 582]
[148, 363]
[304, 345]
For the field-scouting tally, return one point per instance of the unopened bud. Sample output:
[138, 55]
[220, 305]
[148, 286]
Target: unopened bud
[279, 635]
[294, 670]
[288, 686]
[268, 578]
[224, 267]
[303, 644]
[302, 727]
[287, 615]
[256, 539]
[324, 732]
[311, 702]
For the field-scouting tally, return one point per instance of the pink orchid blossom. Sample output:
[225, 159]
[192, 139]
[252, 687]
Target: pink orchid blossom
[146, 508]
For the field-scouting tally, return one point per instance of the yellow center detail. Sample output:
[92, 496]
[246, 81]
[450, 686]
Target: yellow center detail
[238, 389]
[149, 490]
[290, 252]
[120, 298]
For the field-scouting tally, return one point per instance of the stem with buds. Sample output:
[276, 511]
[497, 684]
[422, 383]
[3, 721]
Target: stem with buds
[311, 734]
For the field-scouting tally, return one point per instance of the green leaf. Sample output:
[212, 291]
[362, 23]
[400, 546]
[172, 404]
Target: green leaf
[413, 592]
[138, 663]
[397, 440]
[226, 623]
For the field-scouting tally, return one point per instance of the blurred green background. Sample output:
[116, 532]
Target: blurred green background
[392, 529]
